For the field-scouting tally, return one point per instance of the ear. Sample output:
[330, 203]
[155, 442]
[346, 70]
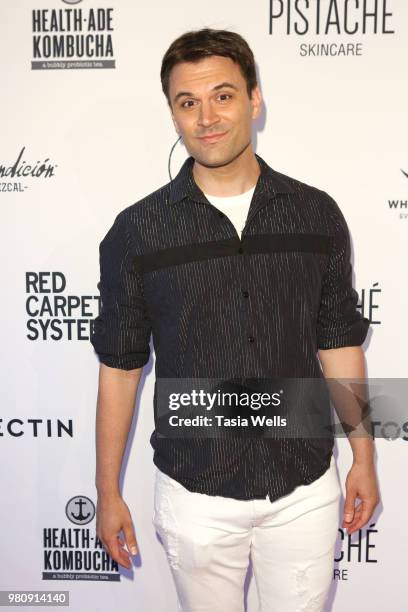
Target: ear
[256, 102]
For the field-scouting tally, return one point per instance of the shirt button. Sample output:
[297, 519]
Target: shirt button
[240, 250]
[251, 338]
[245, 294]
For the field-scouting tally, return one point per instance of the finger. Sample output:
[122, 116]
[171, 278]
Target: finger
[117, 553]
[357, 521]
[122, 549]
[356, 516]
[363, 517]
[356, 512]
[130, 538]
[349, 507]
[123, 556]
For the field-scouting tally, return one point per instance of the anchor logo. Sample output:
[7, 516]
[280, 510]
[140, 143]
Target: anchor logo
[80, 510]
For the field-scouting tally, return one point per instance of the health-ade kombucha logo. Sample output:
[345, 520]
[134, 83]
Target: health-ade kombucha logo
[72, 37]
[73, 551]
[342, 24]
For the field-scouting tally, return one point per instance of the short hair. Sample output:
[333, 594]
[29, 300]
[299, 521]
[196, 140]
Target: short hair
[195, 45]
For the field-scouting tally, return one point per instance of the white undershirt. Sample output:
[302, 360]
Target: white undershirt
[234, 207]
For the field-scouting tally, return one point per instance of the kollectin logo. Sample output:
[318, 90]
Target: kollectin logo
[343, 22]
[72, 37]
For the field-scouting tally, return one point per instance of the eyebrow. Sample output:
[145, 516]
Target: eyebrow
[220, 86]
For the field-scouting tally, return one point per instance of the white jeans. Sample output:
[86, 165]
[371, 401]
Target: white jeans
[208, 540]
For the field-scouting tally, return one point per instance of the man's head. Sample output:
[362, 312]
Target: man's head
[208, 77]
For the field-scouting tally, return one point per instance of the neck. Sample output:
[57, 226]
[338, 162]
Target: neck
[230, 179]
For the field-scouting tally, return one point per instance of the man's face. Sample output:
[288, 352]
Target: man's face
[210, 97]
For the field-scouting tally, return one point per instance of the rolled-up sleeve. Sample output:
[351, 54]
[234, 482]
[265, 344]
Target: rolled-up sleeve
[339, 321]
[121, 331]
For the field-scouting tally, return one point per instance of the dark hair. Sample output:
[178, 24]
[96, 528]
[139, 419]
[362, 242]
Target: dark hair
[197, 44]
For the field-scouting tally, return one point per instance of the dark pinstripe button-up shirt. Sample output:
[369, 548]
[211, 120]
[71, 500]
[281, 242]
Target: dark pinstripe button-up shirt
[223, 306]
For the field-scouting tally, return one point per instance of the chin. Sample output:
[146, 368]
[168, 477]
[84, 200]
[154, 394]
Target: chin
[217, 158]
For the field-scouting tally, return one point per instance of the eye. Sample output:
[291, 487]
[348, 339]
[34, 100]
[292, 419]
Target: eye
[186, 104]
[225, 94]
[183, 104]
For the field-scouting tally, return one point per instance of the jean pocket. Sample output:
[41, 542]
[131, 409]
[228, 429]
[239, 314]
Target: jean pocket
[330, 482]
[165, 521]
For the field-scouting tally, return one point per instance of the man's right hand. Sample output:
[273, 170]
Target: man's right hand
[113, 516]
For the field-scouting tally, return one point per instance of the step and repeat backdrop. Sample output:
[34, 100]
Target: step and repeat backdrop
[86, 132]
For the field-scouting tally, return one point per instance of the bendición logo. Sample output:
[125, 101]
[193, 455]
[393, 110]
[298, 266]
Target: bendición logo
[21, 169]
[72, 37]
[331, 18]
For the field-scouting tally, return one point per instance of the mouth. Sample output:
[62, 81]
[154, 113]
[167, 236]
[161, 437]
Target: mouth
[212, 137]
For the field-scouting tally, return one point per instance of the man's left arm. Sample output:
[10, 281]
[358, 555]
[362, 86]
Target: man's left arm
[340, 332]
[348, 363]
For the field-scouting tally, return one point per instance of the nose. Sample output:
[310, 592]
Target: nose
[207, 114]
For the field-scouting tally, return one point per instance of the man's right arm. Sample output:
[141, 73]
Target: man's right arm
[114, 412]
[120, 336]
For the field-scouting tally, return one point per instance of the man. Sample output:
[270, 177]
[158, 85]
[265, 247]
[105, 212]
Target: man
[241, 274]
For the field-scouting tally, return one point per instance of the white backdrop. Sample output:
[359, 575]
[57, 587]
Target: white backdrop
[102, 129]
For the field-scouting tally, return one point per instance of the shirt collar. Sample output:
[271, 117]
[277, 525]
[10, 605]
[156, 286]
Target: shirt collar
[269, 183]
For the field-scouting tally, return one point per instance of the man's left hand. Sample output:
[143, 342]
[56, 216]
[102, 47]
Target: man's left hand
[361, 482]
